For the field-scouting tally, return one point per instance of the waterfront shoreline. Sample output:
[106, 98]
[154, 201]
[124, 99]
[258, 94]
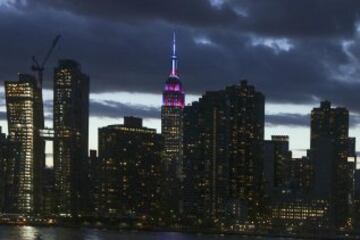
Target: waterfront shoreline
[185, 231]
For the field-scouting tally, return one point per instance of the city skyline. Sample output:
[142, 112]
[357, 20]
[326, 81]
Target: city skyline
[208, 116]
[295, 68]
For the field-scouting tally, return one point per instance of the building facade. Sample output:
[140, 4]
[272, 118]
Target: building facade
[25, 120]
[330, 148]
[223, 137]
[49, 197]
[71, 133]
[277, 158]
[299, 214]
[9, 161]
[128, 176]
[301, 171]
[172, 132]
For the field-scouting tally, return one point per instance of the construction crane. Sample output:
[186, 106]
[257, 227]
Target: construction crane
[39, 68]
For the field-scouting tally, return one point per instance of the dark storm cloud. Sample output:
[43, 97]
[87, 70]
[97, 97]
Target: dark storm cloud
[2, 99]
[293, 51]
[289, 119]
[3, 116]
[300, 120]
[276, 17]
[114, 109]
[354, 120]
[199, 12]
[301, 18]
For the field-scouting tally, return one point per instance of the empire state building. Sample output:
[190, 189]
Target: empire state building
[172, 119]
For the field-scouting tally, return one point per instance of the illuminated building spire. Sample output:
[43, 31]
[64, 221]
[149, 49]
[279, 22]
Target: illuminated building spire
[173, 57]
[173, 95]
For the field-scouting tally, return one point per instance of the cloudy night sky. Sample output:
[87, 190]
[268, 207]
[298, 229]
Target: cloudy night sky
[296, 52]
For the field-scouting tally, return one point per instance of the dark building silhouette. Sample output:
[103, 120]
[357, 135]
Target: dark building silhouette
[223, 137]
[301, 171]
[269, 167]
[277, 158]
[284, 174]
[93, 164]
[9, 160]
[353, 168]
[128, 180]
[71, 123]
[94, 169]
[356, 207]
[333, 173]
[172, 132]
[282, 158]
[49, 204]
[25, 119]
[287, 184]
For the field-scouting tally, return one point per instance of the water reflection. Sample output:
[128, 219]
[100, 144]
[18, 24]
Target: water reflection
[92, 234]
[58, 233]
[27, 232]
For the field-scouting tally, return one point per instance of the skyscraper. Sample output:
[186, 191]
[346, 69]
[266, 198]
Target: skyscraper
[71, 123]
[25, 119]
[329, 150]
[223, 134]
[172, 132]
[128, 176]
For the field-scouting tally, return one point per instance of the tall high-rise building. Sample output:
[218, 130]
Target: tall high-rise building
[71, 123]
[329, 151]
[25, 119]
[172, 132]
[128, 177]
[223, 137]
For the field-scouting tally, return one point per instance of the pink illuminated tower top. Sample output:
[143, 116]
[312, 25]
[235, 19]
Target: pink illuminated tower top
[173, 95]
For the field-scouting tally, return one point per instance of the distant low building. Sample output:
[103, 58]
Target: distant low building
[277, 158]
[299, 214]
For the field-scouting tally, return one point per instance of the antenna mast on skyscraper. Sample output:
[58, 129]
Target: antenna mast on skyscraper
[173, 57]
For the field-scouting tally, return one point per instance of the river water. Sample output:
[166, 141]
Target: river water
[58, 233]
